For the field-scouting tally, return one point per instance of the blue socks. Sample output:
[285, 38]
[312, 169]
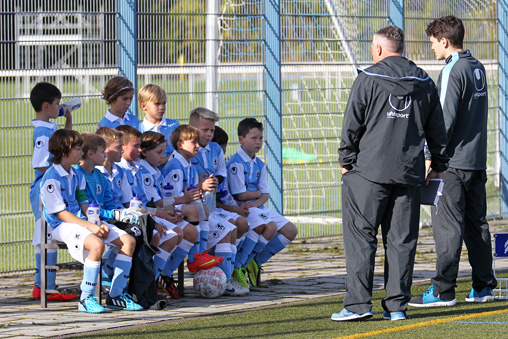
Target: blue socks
[90, 274]
[108, 269]
[246, 248]
[160, 260]
[177, 257]
[224, 250]
[274, 246]
[258, 248]
[123, 265]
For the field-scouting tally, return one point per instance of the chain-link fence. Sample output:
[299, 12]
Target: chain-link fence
[216, 54]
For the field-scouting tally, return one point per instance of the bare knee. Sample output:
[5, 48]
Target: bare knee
[190, 233]
[289, 230]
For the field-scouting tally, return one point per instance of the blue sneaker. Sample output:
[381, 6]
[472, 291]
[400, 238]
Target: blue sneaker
[90, 305]
[394, 316]
[480, 297]
[345, 315]
[429, 300]
[123, 302]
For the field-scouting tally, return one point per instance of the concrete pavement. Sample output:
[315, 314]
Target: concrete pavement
[307, 269]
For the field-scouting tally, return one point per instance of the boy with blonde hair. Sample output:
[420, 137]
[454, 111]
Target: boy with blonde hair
[152, 100]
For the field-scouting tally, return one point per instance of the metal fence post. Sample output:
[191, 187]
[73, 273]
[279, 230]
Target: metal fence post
[212, 47]
[273, 102]
[127, 41]
[502, 23]
[396, 13]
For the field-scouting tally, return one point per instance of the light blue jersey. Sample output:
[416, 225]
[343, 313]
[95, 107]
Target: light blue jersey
[246, 174]
[113, 121]
[155, 189]
[58, 192]
[119, 182]
[98, 189]
[166, 127]
[210, 160]
[40, 159]
[179, 173]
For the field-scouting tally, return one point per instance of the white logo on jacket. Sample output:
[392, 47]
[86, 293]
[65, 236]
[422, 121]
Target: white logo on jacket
[395, 114]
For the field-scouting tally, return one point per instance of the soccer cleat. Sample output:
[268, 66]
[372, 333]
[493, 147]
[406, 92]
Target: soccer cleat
[167, 284]
[394, 316]
[480, 297]
[240, 277]
[90, 305]
[233, 288]
[345, 315]
[203, 261]
[429, 300]
[254, 276]
[123, 302]
[36, 294]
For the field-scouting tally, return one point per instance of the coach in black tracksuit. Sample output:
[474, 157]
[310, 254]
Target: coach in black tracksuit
[392, 108]
[461, 211]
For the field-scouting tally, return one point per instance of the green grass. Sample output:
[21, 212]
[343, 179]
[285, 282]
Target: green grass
[312, 319]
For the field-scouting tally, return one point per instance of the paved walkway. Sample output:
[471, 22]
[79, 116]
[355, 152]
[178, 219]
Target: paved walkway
[307, 269]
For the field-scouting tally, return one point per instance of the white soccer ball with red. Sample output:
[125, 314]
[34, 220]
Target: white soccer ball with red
[210, 283]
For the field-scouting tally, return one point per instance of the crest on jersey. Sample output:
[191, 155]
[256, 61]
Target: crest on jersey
[215, 163]
[175, 177]
[234, 170]
[148, 181]
[119, 182]
[50, 188]
[98, 189]
[257, 174]
[39, 144]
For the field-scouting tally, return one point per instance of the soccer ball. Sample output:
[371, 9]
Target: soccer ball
[210, 283]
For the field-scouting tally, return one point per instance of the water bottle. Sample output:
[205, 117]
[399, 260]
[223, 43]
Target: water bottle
[227, 198]
[136, 204]
[94, 213]
[199, 203]
[151, 207]
[210, 200]
[69, 106]
[168, 198]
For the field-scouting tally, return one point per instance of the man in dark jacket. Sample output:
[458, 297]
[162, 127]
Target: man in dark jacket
[461, 211]
[392, 109]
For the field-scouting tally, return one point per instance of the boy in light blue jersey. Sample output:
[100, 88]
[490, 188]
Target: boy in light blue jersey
[211, 167]
[180, 173]
[247, 179]
[118, 94]
[60, 186]
[45, 99]
[119, 182]
[152, 100]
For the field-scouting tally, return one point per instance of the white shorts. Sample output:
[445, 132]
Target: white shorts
[167, 224]
[225, 215]
[218, 230]
[73, 235]
[262, 216]
[36, 240]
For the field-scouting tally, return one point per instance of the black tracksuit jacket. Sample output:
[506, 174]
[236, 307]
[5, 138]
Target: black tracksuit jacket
[393, 107]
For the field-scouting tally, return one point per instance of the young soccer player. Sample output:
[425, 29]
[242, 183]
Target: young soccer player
[180, 172]
[118, 94]
[131, 150]
[117, 176]
[211, 167]
[59, 187]
[45, 99]
[248, 183]
[152, 100]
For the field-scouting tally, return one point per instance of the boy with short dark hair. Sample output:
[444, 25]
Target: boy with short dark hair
[45, 99]
[60, 186]
[247, 180]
